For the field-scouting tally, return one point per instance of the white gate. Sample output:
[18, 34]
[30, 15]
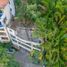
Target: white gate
[27, 45]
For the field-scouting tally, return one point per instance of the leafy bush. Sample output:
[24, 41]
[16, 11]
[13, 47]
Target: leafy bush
[13, 63]
[6, 60]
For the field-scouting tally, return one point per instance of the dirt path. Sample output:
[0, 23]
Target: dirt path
[24, 60]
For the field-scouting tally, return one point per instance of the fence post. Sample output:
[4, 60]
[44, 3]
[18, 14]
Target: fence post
[31, 47]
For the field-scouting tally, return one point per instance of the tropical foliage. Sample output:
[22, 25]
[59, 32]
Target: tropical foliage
[51, 22]
[7, 60]
[50, 18]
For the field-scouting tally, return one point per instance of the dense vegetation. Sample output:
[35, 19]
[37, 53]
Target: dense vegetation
[6, 59]
[50, 18]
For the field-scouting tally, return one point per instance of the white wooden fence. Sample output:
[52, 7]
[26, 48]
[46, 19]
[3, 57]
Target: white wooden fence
[27, 45]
